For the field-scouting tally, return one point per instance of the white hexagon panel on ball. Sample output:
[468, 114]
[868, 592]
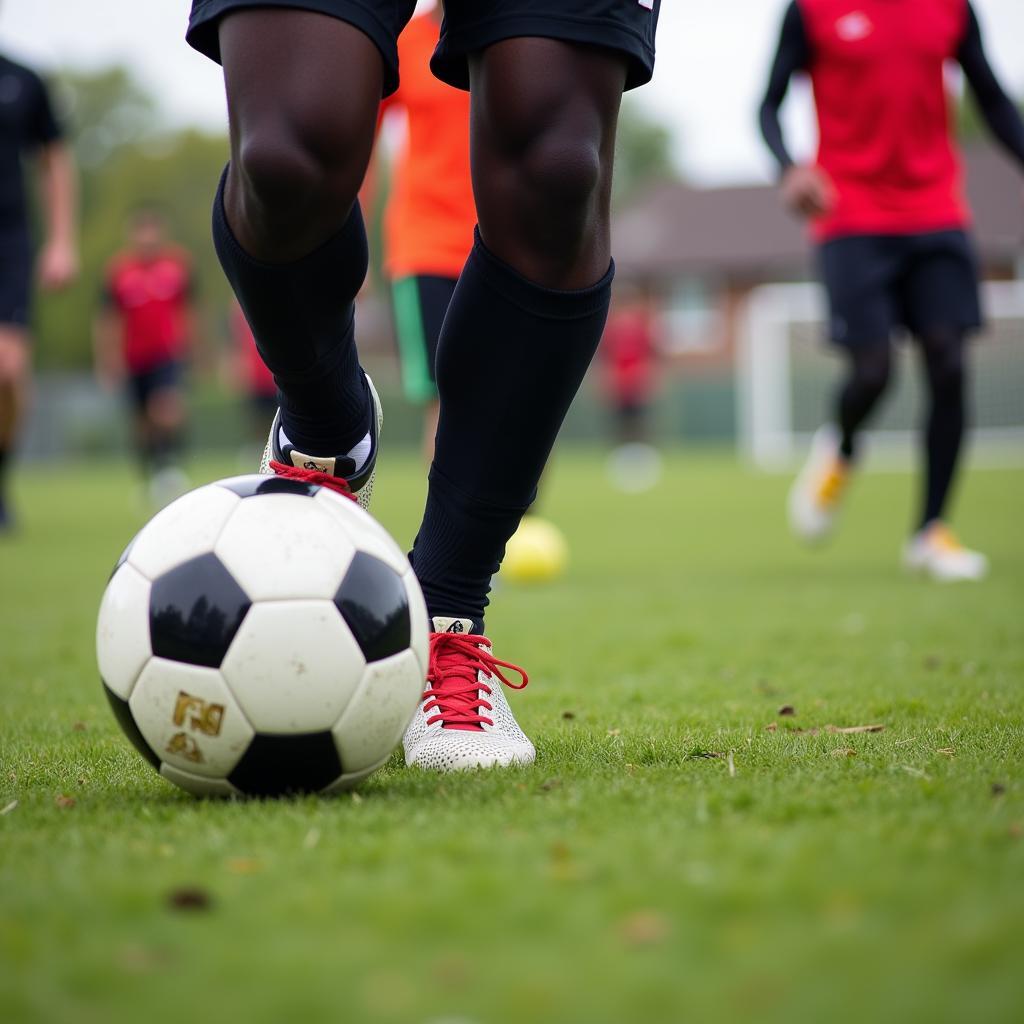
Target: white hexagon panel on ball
[293, 666]
[189, 717]
[185, 529]
[122, 630]
[284, 546]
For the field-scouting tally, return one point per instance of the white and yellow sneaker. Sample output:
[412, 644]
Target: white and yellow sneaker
[280, 456]
[817, 493]
[937, 552]
[463, 721]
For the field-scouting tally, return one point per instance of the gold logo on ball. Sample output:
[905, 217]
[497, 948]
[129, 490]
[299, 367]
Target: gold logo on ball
[202, 717]
[185, 746]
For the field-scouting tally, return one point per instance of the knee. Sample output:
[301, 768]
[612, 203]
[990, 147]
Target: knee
[285, 169]
[561, 172]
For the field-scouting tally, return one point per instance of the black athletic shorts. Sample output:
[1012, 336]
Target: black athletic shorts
[419, 304]
[876, 283]
[15, 277]
[469, 25]
[162, 377]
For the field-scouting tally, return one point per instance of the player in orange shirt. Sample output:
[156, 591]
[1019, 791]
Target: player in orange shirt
[430, 216]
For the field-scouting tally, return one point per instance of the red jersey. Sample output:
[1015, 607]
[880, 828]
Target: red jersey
[152, 297]
[430, 216]
[258, 378]
[627, 349]
[878, 72]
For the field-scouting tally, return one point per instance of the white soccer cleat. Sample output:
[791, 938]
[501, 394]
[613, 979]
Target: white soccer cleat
[817, 492]
[464, 721]
[361, 483]
[938, 553]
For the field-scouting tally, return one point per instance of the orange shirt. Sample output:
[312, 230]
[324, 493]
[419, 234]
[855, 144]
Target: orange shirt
[428, 224]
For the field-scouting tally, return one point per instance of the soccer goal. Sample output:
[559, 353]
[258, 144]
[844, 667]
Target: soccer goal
[786, 373]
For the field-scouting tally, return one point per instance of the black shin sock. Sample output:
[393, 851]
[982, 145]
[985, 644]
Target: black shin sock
[865, 384]
[510, 360]
[303, 317]
[946, 420]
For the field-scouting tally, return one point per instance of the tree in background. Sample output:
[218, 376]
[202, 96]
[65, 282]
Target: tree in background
[643, 152]
[127, 156]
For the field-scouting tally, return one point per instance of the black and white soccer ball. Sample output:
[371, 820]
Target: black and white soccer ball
[263, 636]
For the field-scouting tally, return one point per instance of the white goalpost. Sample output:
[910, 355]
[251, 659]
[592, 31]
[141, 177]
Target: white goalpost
[786, 374]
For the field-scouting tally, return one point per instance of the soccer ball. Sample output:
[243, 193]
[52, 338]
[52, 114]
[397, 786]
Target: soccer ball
[537, 552]
[263, 636]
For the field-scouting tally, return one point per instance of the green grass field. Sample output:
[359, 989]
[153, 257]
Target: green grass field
[680, 851]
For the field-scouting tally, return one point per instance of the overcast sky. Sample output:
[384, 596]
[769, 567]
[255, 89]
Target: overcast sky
[712, 59]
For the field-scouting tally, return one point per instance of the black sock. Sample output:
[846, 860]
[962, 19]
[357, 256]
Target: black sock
[946, 420]
[303, 317]
[510, 360]
[864, 385]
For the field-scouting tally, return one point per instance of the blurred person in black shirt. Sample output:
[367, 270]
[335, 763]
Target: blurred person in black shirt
[28, 128]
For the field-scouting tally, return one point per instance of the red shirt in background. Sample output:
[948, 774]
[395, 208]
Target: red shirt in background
[428, 225]
[152, 297]
[258, 379]
[628, 353]
[878, 72]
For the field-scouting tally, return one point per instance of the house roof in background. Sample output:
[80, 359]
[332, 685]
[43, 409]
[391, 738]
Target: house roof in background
[745, 233]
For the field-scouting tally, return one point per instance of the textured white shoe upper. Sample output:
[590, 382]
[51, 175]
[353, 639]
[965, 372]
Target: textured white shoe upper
[365, 493]
[428, 744]
[937, 552]
[809, 518]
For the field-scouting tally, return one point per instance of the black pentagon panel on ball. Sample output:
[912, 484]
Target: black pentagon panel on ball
[123, 714]
[373, 601]
[253, 486]
[282, 765]
[195, 610]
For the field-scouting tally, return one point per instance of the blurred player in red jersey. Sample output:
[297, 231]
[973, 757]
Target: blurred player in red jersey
[430, 216]
[629, 355]
[886, 206]
[28, 127]
[142, 338]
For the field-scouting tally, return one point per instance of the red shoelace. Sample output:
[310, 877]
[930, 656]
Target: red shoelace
[453, 690]
[313, 476]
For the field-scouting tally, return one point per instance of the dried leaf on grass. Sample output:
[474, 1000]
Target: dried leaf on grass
[644, 928]
[844, 752]
[568, 715]
[243, 865]
[64, 802]
[847, 730]
[998, 789]
[10, 807]
[948, 751]
[189, 897]
[786, 710]
[772, 727]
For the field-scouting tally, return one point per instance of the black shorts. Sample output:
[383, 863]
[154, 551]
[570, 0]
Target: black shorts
[419, 304]
[15, 278]
[469, 26]
[162, 377]
[877, 283]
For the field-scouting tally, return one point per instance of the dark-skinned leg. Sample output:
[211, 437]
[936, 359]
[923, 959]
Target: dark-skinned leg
[303, 91]
[529, 308]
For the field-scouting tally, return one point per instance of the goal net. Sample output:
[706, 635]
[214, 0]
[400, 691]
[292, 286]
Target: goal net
[786, 374]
